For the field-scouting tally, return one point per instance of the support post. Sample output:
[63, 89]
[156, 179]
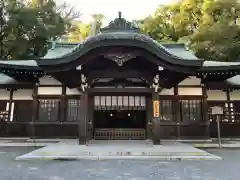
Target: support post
[90, 120]
[63, 105]
[228, 104]
[205, 110]
[149, 109]
[10, 104]
[35, 111]
[83, 120]
[219, 132]
[176, 108]
[155, 118]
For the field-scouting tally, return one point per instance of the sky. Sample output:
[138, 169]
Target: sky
[131, 9]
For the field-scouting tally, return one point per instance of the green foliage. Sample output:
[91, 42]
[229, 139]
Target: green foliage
[209, 27]
[78, 32]
[27, 26]
[219, 41]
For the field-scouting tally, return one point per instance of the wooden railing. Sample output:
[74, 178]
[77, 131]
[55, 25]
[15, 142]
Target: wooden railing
[119, 134]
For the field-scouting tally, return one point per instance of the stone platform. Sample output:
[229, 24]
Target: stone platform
[100, 150]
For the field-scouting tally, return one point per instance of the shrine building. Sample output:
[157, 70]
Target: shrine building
[119, 84]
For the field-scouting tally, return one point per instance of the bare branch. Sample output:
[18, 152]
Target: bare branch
[68, 11]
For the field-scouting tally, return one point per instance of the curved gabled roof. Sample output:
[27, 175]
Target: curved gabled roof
[61, 49]
[129, 39]
[122, 33]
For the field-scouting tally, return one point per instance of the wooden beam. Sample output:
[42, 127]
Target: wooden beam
[118, 74]
[119, 90]
[124, 83]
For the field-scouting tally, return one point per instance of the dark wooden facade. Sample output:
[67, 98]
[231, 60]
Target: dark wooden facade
[59, 115]
[181, 116]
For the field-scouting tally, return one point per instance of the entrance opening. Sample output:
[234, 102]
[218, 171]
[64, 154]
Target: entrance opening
[120, 117]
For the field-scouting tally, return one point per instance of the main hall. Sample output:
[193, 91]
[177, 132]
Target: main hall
[118, 85]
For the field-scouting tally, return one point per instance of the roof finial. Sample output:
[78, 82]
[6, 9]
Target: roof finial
[119, 14]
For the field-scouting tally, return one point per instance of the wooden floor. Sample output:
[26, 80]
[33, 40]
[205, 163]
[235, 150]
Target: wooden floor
[119, 134]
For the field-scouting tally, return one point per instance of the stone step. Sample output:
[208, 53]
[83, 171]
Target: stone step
[164, 158]
[118, 150]
[126, 153]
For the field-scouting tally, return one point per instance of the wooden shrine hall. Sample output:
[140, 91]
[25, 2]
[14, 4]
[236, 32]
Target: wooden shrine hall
[119, 84]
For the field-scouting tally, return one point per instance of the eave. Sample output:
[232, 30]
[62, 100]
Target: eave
[20, 70]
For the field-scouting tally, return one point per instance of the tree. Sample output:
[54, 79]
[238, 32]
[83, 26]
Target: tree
[167, 24]
[218, 35]
[26, 27]
[220, 41]
[79, 32]
[205, 24]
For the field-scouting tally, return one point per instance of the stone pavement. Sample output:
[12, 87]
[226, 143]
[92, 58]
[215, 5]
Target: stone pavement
[100, 150]
[227, 169]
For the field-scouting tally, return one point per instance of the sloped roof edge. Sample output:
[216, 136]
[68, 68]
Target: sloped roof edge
[61, 49]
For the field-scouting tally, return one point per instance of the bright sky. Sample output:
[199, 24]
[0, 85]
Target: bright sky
[131, 9]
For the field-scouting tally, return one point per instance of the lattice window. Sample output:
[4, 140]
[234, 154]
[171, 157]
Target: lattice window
[119, 102]
[48, 109]
[166, 111]
[73, 111]
[191, 110]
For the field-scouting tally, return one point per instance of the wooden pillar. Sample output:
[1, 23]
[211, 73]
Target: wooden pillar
[205, 118]
[63, 105]
[176, 110]
[83, 120]
[155, 118]
[10, 104]
[35, 111]
[90, 117]
[229, 112]
[149, 117]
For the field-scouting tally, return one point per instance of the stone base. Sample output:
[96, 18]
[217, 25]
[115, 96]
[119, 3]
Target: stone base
[98, 150]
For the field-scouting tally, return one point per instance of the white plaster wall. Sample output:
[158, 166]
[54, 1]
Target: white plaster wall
[48, 80]
[192, 80]
[167, 92]
[235, 95]
[216, 95]
[72, 91]
[49, 90]
[23, 94]
[190, 91]
[4, 94]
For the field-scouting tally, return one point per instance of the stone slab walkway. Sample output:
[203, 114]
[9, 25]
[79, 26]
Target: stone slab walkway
[100, 150]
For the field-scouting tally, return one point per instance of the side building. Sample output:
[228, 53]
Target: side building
[119, 84]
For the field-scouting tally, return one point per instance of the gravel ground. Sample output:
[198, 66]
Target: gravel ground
[227, 169]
